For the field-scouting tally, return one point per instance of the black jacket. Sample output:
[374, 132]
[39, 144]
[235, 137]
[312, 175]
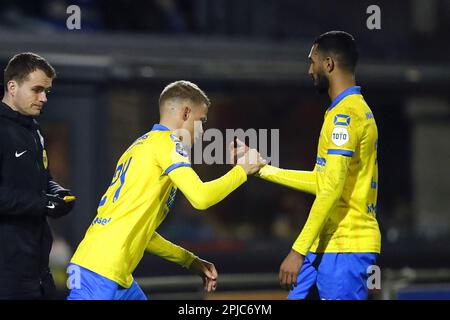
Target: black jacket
[25, 236]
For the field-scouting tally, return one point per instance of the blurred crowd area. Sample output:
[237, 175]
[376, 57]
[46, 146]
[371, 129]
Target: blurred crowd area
[416, 27]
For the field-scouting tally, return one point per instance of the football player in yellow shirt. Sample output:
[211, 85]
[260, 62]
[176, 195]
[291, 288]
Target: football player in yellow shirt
[341, 238]
[143, 189]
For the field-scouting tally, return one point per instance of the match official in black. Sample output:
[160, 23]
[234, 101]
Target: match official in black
[28, 194]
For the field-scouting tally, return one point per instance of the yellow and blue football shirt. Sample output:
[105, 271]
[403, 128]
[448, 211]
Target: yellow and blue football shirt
[344, 180]
[137, 201]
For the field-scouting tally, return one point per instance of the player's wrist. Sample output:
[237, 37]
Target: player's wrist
[189, 260]
[262, 170]
[241, 169]
[298, 250]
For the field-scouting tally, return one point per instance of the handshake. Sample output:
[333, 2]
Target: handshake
[249, 159]
[59, 204]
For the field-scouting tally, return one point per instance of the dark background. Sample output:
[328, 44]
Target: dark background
[251, 59]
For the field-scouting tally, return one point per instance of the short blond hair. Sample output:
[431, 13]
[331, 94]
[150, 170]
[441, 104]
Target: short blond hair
[183, 89]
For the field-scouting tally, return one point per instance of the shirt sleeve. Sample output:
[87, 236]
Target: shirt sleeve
[299, 180]
[15, 202]
[165, 249]
[201, 194]
[341, 138]
[326, 199]
[341, 134]
[172, 154]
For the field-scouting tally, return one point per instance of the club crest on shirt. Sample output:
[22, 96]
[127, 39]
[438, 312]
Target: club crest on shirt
[340, 136]
[341, 120]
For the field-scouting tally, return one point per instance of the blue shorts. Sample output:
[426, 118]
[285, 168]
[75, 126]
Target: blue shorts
[87, 285]
[337, 276]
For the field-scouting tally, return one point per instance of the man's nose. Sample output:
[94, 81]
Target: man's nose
[43, 97]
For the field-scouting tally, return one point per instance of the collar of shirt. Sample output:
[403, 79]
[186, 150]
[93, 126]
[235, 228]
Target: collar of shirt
[343, 94]
[160, 127]
[7, 112]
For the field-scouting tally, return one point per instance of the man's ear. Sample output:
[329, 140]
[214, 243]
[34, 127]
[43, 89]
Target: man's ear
[329, 64]
[12, 87]
[186, 111]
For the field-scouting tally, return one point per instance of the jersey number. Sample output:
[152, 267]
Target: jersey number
[119, 175]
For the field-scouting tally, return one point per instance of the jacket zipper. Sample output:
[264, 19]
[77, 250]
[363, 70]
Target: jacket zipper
[42, 229]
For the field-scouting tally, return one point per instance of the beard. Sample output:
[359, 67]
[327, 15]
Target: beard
[321, 83]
